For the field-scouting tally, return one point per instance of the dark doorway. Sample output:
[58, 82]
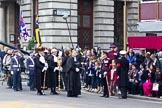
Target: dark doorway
[118, 23]
[17, 26]
[85, 23]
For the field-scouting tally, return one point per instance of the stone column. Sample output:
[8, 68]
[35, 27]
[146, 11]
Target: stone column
[2, 22]
[103, 23]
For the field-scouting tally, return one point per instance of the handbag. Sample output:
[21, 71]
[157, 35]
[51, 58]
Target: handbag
[155, 87]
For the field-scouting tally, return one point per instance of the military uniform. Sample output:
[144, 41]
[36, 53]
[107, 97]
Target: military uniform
[30, 68]
[104, 72]
[16, 71]
[122, 73]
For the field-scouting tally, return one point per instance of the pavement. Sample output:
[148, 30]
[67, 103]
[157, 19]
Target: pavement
[132, 96]
[29, 99]
[129, 95]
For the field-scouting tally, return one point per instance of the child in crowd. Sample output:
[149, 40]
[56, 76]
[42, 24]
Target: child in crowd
[98, 76]
[92, 74]
[112, 77]
[133, 79]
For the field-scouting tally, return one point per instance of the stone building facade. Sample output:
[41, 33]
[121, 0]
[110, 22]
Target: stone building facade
[91, 22]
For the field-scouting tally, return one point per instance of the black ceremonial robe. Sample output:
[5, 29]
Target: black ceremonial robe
[73, 78]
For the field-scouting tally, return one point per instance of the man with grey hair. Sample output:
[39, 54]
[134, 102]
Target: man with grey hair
[51, 72]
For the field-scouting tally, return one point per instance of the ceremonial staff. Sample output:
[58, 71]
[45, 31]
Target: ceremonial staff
[59, 63]
[44, 79]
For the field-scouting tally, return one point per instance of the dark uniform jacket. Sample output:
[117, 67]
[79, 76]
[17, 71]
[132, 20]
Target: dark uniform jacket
[122, 72]
[30, 65]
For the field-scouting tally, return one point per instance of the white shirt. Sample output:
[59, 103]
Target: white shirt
[55, 58]
[42, 59]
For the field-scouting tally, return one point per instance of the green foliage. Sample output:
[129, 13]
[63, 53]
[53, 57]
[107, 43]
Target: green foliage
[31, 43]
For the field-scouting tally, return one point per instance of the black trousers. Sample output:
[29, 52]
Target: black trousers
[10, 81]
[123, 92]
[104, 83]
[160, 88]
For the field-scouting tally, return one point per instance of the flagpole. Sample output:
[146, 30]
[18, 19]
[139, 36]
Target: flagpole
[125, 25]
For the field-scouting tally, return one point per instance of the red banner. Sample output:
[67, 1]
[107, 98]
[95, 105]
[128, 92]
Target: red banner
[149, 42]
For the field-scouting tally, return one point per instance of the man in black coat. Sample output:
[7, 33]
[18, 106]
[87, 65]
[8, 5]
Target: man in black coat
[122, 72]
[73, 76]
[40, 66]
[51, 75]
[64, 60]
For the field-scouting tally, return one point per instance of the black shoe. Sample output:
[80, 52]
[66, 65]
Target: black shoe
[106, 96]
[54, 93]
[124, 97]
[75, 95]
[39, 93]
[158, 96]
[121, 97]
[15, 90]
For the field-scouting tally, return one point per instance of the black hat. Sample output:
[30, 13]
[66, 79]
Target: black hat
[112, 46]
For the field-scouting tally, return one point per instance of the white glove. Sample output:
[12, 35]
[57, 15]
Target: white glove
[77, 69]
[11, 72]
[60, 68]
[44, 69]
[105, 73]
[27, 72]
[89, 74]
[100, 76]
[56, 68]
[46, 65]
